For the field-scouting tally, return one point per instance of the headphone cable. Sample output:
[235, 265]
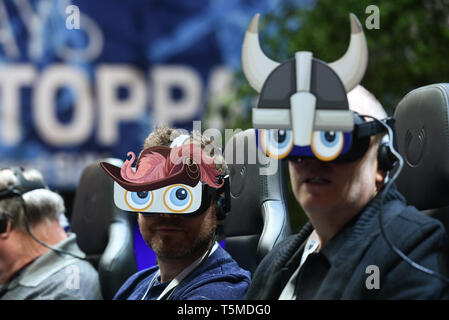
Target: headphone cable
[401, 254]
[28, 229]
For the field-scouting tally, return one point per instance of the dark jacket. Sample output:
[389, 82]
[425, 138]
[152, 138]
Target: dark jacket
[218, 278]
[361, 244]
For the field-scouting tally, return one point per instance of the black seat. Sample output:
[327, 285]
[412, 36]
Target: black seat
[104, 232]
[422, 131]
[259, 216]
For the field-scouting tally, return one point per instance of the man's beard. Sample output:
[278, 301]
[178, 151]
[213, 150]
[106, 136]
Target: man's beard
[167, 247]
[176, 251]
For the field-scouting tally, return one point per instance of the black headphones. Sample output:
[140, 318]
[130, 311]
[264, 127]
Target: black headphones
[385, 158]
[22, 186]
[363, 130]
[17, 190]
[3, 222]
[223, 205]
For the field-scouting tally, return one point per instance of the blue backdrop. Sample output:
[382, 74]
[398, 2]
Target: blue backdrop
[69, 96]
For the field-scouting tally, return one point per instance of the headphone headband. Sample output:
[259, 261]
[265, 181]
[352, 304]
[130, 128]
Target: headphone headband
[22, 186]
[371, 128]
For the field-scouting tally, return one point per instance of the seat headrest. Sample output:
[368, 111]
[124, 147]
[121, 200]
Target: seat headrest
[253, 176]
[94, 209]
[422, 137]
[259, 216]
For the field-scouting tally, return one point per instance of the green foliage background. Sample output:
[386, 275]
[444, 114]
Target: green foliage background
[410, 49]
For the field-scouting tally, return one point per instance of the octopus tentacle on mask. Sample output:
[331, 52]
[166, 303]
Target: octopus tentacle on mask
[154, 166]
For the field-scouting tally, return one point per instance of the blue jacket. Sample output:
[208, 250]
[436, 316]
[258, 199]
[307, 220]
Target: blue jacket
[218, 278]
[361, 244]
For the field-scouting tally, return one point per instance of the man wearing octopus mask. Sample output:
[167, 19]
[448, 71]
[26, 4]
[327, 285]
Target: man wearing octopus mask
[181, 193]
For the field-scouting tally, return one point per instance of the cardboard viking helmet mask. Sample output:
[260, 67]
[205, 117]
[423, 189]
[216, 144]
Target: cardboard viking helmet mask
[303, 109]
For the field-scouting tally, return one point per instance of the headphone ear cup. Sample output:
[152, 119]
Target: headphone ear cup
[220, 208]
[3, 223]
[385, 158]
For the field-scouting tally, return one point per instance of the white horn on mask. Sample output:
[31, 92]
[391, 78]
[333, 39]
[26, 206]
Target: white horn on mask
[256, 65]
[352, 65]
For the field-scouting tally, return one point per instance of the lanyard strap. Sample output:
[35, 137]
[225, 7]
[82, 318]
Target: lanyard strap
[181, 276]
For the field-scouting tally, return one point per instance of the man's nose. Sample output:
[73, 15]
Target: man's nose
[158, 215]
[310, 162]
[165, 215]
[169, 216]
[305, 160]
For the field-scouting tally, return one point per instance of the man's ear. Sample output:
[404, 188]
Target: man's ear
[380, 179]
[7, 232]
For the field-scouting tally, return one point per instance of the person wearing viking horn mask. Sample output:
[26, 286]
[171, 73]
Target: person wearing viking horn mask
[331, 129]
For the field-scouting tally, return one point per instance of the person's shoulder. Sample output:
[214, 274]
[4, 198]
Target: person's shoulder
[413, 228]
[400, 212]
[221, 278]
[216, 290]
[75, 281]
[135, 283]
[84, 267]
[286, 246]
[222, 264]
[80, 275]
[415, 219]
[284, 243]
[398, 216]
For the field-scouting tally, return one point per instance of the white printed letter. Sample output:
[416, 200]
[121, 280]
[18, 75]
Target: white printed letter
[372, 22]
[373, 280]
[73, 20]
[114, 110]
[45, 117]
[167, 109]
[11, 79]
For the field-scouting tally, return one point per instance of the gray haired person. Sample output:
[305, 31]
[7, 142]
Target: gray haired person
[38, 259]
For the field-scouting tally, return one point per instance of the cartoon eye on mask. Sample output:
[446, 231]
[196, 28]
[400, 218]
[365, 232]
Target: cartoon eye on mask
[138, 201]
[175, 198]
[276, 143]
[178, 198]
[327, 145]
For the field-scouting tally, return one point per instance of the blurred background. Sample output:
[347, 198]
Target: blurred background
[85, 80]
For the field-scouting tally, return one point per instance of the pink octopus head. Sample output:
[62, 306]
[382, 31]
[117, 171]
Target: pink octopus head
[153, 165]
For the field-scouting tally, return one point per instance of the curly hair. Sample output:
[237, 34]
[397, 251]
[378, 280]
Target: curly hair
[164, 136]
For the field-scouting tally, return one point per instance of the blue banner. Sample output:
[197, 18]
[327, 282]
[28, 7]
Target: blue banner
[85, 80]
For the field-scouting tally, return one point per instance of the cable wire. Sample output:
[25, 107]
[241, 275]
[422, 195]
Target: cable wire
[400, 166]
[28, 229]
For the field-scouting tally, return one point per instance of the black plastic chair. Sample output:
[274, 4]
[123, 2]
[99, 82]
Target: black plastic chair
[422, 131]
[104, 232]
[259, 216]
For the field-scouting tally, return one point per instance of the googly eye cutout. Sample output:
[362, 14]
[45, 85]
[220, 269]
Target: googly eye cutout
[178, 198]
[139, 201]
[276, 143]
[327, 145]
